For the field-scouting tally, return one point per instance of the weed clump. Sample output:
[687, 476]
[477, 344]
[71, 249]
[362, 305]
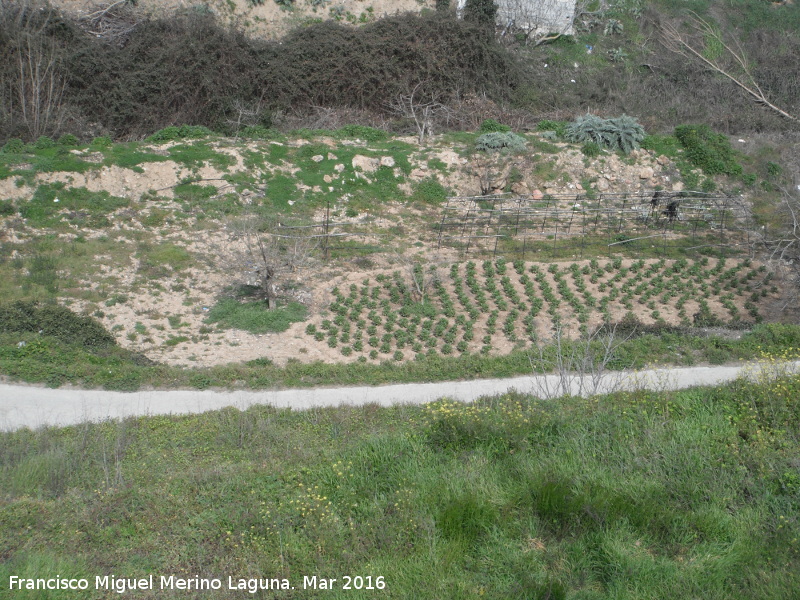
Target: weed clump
[710, 151]
[429, 191]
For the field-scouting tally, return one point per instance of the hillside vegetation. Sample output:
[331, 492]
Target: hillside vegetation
[197, 66]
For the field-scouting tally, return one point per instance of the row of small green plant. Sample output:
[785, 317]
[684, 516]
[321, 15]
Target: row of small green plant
[77, 350]
[388, 319]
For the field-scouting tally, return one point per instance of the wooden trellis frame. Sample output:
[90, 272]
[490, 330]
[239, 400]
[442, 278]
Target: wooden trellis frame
[468, 221]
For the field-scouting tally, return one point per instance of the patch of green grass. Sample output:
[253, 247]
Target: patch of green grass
[174, 340]
[437, 164]
[45, 160]
[278, 153]
[429, 191]
[129, 155]
[81, 207]
[191, 193]
[157, 261]
[280, 190]
[539, 145]
[255, 317]
[196, 154]
[368, 134]
[546, 170]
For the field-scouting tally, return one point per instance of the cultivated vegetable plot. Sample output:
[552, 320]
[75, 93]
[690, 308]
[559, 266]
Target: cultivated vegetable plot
[496, 306]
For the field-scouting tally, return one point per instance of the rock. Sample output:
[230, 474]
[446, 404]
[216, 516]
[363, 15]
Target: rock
[418, 174]
[365, 163]
[327, 178]
[646, 173]
[537, 194]
[331, 156]
[520, 188]
[339, 168]
[602, 184]
[318, 158]
[677, 186]
[662, 160]
[387, 161]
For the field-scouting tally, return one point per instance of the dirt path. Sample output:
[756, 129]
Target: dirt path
[27, 406]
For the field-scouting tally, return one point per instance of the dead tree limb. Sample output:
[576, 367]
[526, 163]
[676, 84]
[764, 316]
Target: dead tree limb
[740, 72]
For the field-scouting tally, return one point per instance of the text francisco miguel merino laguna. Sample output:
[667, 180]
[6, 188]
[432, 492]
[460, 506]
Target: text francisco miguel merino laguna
[170, 582]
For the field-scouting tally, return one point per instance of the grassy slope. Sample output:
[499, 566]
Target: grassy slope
[638, 495]
[46, 359]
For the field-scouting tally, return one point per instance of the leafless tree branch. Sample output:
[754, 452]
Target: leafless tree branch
[580, 367]
[713, 53]
[413, 105]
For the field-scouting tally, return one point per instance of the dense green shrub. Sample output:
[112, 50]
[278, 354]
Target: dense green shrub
[557, 127]
[710, 151]
[620, 133]
[68, 140]
[482, 13]
[500, 142]
[492, 126]
[13, 146]
[56, 321]
[184, 132]
[102, 141]
[43, 143]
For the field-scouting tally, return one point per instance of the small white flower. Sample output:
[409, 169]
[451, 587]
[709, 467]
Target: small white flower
[56, 200]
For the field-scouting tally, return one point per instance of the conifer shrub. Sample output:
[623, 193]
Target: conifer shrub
[619, 133]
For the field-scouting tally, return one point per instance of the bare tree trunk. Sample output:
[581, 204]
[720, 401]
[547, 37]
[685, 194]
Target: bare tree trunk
[423, 112]
[35, 88]
[260, 259]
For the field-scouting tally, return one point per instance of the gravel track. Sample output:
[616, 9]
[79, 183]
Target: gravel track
[28, 406]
